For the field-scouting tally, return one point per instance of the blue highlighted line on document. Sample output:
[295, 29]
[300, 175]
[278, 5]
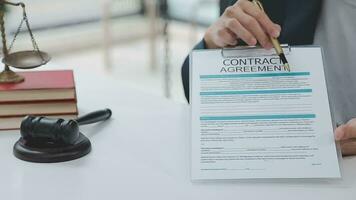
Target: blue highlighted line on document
[257, 92]
[258, 117]
[255, 75]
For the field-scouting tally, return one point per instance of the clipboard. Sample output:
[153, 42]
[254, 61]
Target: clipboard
[245, 51]
[223, 102]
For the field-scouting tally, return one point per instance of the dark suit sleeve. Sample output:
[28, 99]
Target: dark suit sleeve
[201, 45]
[185, 70]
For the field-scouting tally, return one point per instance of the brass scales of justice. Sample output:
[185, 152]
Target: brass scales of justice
[22, 59]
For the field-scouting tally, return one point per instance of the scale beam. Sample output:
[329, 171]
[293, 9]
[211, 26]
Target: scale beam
[13, 4]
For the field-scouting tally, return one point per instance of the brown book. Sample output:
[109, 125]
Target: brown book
[38, 108]
[13, 123]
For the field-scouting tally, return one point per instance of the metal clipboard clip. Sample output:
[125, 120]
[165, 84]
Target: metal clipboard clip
[240, 52]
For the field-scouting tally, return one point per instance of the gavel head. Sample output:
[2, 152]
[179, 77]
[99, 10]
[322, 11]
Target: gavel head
[55, 131]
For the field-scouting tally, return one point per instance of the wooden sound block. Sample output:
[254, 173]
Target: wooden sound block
[48, 152]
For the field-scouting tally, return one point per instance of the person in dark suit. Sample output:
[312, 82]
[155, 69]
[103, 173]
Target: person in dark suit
[243, 23]
[294, 22]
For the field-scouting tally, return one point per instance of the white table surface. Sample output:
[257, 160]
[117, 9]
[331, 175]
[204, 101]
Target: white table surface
[142, 153]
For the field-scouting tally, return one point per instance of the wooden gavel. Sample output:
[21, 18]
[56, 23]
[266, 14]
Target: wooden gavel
[59, 130]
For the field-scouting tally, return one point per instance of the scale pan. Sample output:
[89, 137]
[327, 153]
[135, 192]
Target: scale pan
[26, 59]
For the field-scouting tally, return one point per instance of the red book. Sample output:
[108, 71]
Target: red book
[40, 86]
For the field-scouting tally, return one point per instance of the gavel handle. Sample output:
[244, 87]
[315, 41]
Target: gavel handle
[94, 117]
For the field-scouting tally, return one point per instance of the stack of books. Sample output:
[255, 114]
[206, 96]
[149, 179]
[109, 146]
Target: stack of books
[43, 93]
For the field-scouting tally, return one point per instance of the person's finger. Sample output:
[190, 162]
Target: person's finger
[234, 25]
[250, 24]
[254, 27]
[226, 38]
[350, 130]
[339, 133]
[261, 17]
[348, 147]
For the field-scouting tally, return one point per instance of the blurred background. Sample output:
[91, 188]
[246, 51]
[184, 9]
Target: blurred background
[142, 43]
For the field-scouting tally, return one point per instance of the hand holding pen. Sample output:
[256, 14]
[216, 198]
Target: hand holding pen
[248, 22]
[242, 21]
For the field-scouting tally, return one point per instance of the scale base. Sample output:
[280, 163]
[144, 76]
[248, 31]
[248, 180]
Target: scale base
[8, 76]
[43, 152]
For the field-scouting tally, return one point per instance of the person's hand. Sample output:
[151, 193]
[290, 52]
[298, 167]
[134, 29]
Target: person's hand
[244, 20]
[346, 134]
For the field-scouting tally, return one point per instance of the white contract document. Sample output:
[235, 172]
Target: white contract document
[253, 119]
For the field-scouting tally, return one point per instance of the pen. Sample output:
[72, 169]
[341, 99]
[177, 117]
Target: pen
[275, 42]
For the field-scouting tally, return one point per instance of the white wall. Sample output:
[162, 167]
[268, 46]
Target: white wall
[49, 13]
[205, 11]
